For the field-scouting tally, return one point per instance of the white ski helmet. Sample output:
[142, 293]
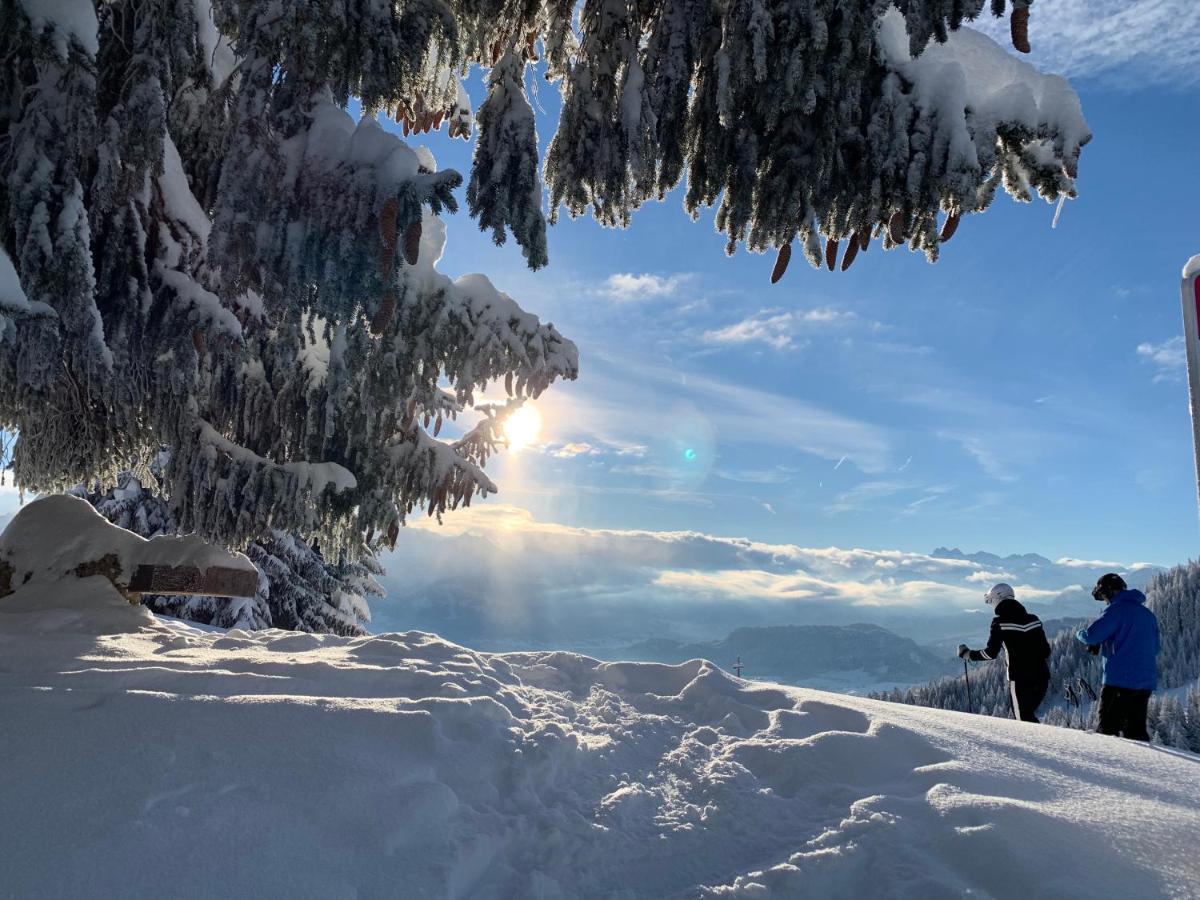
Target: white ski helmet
[998, 593]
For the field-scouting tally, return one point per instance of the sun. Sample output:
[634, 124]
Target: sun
[523, 427]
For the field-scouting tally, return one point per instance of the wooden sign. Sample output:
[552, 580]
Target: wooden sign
[216, 581]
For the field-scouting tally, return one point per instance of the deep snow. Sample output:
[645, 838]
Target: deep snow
[145, 757]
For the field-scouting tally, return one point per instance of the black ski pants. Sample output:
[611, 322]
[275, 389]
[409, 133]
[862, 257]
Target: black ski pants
[1027, 695]
[1123, 712]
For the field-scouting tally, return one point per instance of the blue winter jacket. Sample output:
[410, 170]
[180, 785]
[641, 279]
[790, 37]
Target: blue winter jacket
[1128, 637]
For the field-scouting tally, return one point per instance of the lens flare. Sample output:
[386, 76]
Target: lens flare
[522, 428]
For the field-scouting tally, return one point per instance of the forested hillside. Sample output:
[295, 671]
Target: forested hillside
[1174, 713]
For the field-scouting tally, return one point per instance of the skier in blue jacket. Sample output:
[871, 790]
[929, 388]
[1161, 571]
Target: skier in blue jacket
[1127, 637]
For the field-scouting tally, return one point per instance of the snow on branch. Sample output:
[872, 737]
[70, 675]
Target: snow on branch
[808, 120]
[505, 191]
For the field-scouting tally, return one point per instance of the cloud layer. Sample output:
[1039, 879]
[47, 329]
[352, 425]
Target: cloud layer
[495, 573]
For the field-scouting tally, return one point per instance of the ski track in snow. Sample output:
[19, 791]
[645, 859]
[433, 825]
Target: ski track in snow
[144, 757]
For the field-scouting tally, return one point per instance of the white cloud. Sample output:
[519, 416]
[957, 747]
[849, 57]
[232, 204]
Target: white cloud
[627, 286]
[1107, 565]
[1130, 42]
[982, 451]
[596, 447]
[777, 329]
[1169, 358]
[985, 577]
[866, 496]
[572, 449]
[772, 586]
[774, 475]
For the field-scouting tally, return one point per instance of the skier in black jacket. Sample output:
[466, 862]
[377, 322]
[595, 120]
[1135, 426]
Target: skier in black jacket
[1026, 650]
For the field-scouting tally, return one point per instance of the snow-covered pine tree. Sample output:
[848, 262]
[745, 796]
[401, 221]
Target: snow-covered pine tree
[1191, 728]
[1170, 727]
[298, 589]
[214, 256]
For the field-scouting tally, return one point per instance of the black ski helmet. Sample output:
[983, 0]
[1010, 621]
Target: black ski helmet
[1108, 586]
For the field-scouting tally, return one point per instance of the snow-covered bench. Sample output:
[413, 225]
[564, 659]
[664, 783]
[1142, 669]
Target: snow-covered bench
[62, 536]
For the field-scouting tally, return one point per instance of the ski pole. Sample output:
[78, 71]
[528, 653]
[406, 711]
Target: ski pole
[967, 679]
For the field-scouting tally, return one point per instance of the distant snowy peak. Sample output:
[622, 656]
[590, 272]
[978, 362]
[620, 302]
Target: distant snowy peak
[991, 559]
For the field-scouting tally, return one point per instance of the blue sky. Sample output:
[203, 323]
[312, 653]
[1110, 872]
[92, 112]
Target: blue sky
[1026, 393]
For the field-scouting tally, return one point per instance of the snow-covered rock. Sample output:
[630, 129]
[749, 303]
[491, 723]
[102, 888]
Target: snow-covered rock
[145, 757]
[52, 536]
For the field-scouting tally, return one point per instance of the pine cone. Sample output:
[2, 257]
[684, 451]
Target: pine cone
[495, 53]
[781, 262]
[387, 261]
[896, 228]
[198, 341]
[851, 253]
[508, 383]
[393, 533]
[387, 223]
[1018, 24]
[831, 249]
[949, 227]
[412, 243]
[864, 240]
[437, 425]
[383, 315]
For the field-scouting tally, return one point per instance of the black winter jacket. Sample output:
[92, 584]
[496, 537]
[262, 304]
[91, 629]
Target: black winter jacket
[1024, 641]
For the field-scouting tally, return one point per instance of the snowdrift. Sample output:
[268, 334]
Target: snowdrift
[145, 758]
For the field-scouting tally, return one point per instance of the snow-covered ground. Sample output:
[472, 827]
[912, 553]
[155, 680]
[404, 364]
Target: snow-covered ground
[146, 758]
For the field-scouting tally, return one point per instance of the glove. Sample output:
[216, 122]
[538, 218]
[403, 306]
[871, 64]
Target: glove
[963, 650]
[1094, 649]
